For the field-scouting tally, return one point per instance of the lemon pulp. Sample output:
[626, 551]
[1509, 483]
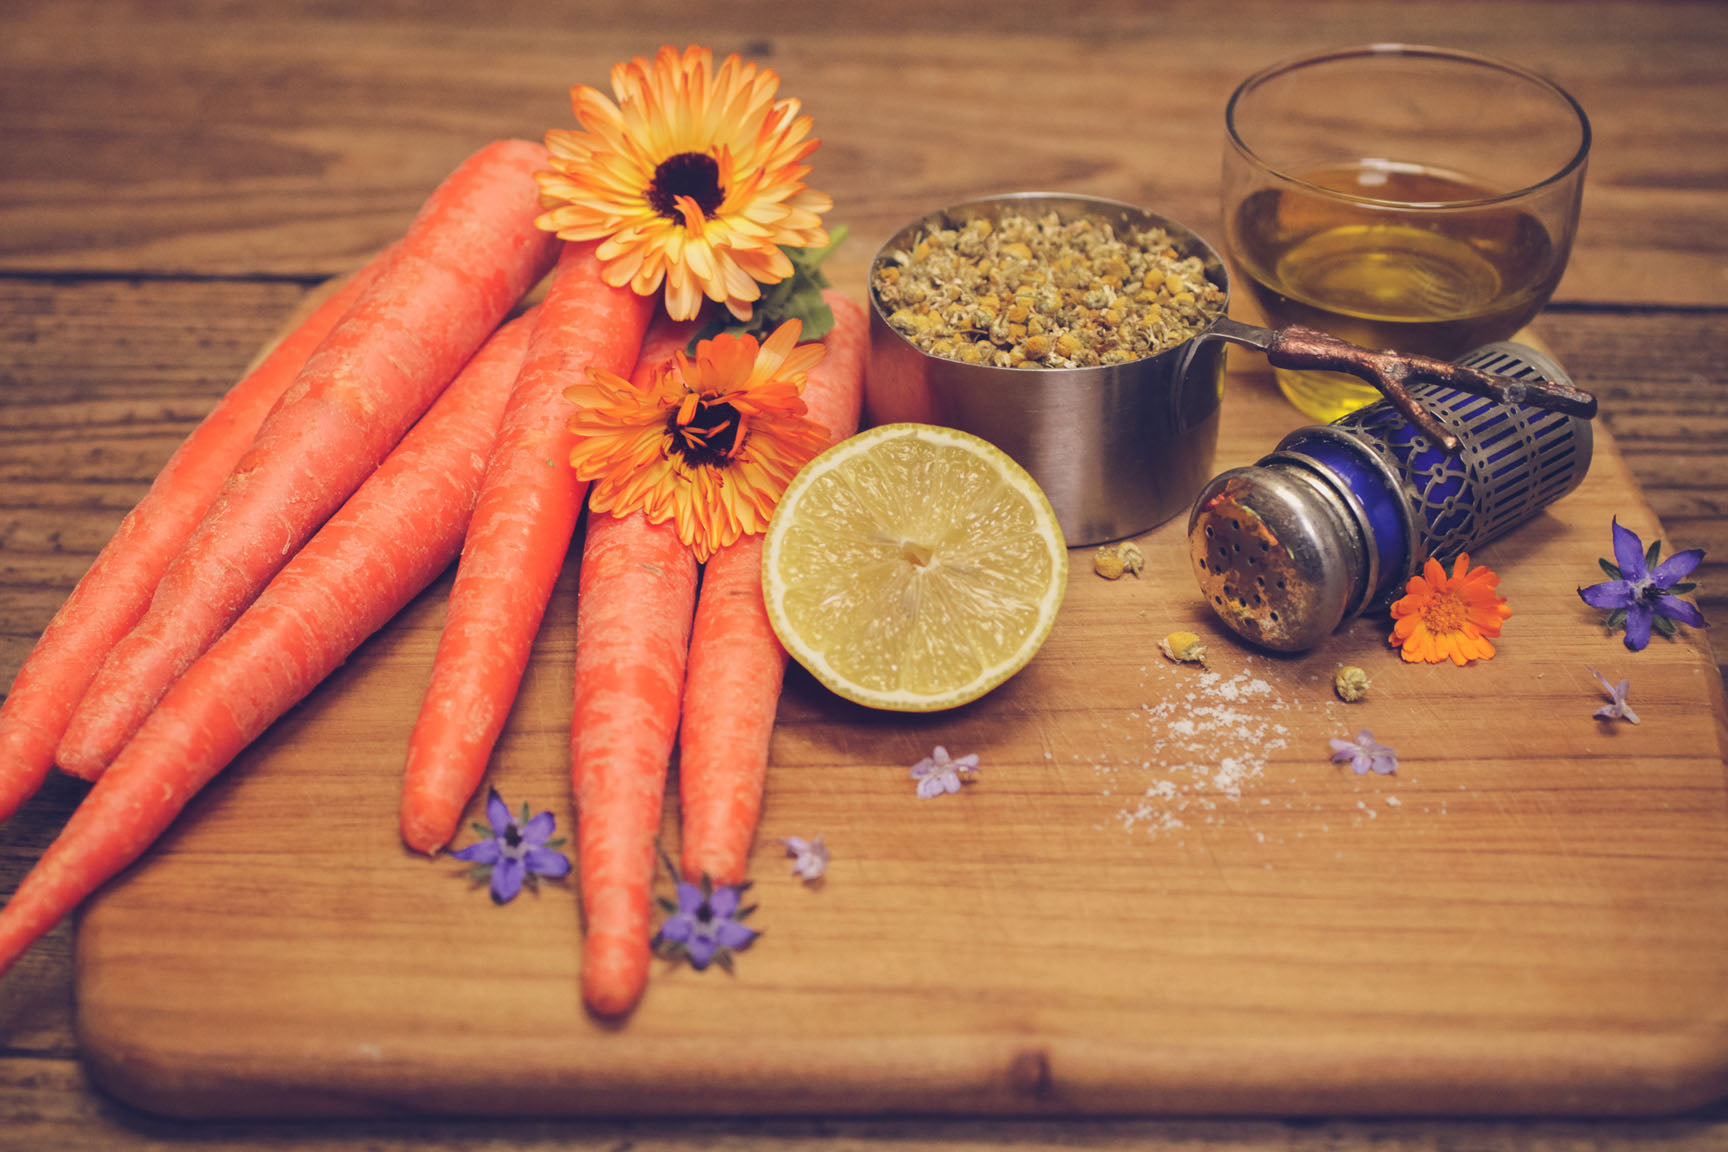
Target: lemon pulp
[913, 567]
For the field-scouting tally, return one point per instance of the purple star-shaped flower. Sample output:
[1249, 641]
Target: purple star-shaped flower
[1364, 754]
[937, 773]
[705, 924]
[810, 857]
[514, 852]
[1617, 708]
[1641, 596]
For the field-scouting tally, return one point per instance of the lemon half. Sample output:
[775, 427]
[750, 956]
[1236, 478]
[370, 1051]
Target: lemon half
[913, 567]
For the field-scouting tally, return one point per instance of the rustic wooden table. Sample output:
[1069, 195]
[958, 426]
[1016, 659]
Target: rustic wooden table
[175, 177]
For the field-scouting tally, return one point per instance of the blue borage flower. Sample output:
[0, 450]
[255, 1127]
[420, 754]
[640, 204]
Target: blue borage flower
[810, 857]
[1642, 594]
[939, 774]
[704, 925]
[1364, 754]
[1617, 707]
[514, 852]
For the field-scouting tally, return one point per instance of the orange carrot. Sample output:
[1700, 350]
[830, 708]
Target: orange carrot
[732, 686]
[516, 546]
[116, 590]
[634, 602]
[393, 537]
[467, 258]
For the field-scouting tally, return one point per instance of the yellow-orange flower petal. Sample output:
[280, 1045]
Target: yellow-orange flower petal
[709, 442]
[1443, 617]
[693, 180]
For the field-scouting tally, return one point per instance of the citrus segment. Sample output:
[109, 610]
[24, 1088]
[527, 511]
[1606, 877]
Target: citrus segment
[913, 567]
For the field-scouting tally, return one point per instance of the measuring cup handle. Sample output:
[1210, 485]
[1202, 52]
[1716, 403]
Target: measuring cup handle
[1300, 348]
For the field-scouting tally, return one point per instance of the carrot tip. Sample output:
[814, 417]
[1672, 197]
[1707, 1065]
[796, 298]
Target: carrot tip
[614, 974]
[424, 835]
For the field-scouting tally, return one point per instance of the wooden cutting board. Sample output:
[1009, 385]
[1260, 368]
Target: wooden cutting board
[1159, 897]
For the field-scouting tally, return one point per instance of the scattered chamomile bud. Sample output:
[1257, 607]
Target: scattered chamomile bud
[1183, 648]
[1351, 683]
[1112, 561]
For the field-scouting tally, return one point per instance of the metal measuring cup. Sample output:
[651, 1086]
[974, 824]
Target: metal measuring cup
[1121, 448]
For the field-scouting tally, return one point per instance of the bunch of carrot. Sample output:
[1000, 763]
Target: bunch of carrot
[259, 478]
[403, 422]
[654, 664]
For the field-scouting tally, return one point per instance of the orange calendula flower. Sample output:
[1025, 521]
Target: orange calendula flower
[694, 179]
[709, 442]
[1449, 617]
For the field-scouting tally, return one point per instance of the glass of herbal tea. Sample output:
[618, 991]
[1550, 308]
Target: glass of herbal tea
[1402, 197]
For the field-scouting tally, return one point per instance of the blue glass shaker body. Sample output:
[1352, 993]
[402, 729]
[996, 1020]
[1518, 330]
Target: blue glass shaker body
[1337, 517]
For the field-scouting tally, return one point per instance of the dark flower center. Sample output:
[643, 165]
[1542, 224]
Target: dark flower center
[692, 174]
[512, 838]
[710, 436]
[704, 914]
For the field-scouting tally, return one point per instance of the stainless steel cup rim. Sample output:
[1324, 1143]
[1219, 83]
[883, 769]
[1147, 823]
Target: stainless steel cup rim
[1068, 205]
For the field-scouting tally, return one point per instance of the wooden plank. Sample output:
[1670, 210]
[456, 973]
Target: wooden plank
[289, 144]
[1161, 898]
[102, 103]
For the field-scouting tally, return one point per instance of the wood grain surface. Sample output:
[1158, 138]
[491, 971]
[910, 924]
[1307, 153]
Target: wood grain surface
[1160, 897]
[176, 175]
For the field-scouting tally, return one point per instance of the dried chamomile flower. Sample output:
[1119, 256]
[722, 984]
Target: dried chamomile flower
[1351, 683]
[1112, 561]
[1183, 648]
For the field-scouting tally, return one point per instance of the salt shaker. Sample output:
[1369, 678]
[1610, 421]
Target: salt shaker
[1338, 516]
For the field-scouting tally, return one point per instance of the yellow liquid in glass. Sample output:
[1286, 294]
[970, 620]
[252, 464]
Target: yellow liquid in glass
[1427, 280]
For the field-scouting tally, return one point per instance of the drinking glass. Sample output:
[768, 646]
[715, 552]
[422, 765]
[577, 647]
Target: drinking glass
[1399, 196]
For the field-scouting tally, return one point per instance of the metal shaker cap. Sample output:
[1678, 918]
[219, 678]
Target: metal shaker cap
[1277, 556]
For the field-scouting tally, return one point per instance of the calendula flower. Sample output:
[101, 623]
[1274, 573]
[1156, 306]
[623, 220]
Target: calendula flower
[693, 179]
[710, 442]
[514, 851]
[1641, 592]
[1441, 616]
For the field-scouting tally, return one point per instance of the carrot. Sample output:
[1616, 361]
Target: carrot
[634, 602]
[468, 257]
[732, 686]
[116, 589]
[393, 537]
[516, 546]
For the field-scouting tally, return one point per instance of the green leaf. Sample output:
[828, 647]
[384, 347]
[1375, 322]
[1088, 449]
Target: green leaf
[556, 842]
[1653, 553]
[1612, 570]
[1617, 618]
[723, 957]
[1664, 625]
[665, 904]
[484, 831]
[798, 297]
[1680, 589]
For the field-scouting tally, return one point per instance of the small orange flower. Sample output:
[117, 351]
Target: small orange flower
[1441, 616]
[708, 442]
[694, 179]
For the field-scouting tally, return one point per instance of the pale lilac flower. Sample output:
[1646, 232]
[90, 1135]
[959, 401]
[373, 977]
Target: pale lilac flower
[1641, 593]
[936, 773]
[514, 852]
[810, 857]
[1364, 754]
[705, 925]
[1616, 708]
